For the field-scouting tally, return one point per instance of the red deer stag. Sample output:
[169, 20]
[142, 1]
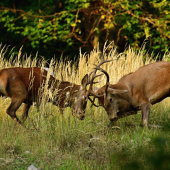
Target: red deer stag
[136, 91]
[22, 86]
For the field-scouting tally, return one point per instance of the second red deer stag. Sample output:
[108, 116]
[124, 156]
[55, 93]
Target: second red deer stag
[22, 85]
[136, 91]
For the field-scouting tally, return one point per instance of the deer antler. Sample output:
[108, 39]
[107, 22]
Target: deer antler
[103, 61]
[92, 101]
[107, 76]
[94, 74]
[93, 77]
[90, 91]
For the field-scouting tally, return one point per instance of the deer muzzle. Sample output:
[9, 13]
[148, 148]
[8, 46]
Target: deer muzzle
[113, 117]
[80, 116]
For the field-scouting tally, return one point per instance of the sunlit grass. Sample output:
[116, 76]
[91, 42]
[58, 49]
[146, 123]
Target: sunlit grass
[64, 142]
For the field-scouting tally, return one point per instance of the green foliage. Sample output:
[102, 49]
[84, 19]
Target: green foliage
[55, 27]
[41, 24]
[141, 20]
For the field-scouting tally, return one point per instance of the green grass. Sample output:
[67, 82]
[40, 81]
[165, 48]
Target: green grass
[68, 143]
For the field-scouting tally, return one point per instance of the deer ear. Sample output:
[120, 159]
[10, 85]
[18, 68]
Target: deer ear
[84, 81]
[116, 91]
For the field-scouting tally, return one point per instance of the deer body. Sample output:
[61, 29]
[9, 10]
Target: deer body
[22, 86]
[136, 91]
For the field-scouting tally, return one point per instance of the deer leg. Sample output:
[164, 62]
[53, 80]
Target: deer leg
[25, 111]
[145, 107]
[11, 111]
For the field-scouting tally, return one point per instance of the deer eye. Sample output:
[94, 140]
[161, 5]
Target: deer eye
[111, 99]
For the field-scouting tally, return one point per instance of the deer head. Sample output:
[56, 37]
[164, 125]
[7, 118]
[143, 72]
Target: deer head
[79, 96]
[83, 94]
[111, 98]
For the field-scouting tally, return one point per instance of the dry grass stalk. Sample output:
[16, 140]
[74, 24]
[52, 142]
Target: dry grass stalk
[126, 62]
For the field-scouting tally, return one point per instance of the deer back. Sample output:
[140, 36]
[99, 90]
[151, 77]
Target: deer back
[28, 79]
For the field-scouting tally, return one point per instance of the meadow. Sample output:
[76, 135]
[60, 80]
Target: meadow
[66, 143]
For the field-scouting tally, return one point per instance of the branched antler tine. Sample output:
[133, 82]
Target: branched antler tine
[92, 102]
[89, 77]
[98, 68]
[93, 77]
[102, 59]
[91, 81]
[90, 73]
[107, 75]
[102, 62]
[90, 90]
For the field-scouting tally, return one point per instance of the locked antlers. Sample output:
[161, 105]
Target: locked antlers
[94, 76]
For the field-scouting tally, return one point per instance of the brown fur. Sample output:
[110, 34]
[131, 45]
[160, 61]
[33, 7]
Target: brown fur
[22, 86]
[140, 90]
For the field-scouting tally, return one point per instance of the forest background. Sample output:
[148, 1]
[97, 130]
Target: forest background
[60, 28]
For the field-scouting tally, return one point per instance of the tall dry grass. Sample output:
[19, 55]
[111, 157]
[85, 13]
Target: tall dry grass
[122, 64]
[68, 143]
